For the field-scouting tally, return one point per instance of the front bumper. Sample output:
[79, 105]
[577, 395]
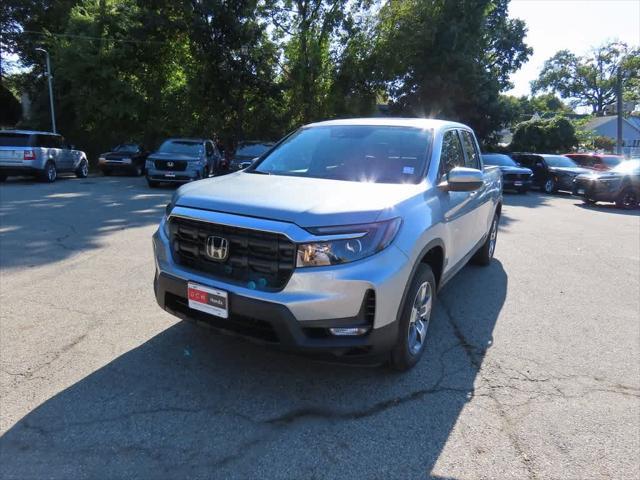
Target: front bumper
[274, 324]
[510, 184]
[317, 297]
[174, 176]
[592, 189]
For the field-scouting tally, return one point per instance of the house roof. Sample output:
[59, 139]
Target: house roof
[599, 121]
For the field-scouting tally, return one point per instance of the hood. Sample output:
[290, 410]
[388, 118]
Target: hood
[569, 170]
[518, 170]
[172, 156]
[600, 175]
[118, 155]
[307, 202]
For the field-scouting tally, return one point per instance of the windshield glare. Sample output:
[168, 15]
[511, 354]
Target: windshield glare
[182, 147]
[126, 147]
[354, 153]
[628, 166]
[559, 161]
[498, 159]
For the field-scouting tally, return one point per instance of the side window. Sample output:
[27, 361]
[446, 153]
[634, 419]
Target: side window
[209, 148]
[470, 150]
[452, 155]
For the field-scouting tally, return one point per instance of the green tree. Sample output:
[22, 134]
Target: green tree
[555, 135]
[450, 59]
[589, 80]
[10, 110]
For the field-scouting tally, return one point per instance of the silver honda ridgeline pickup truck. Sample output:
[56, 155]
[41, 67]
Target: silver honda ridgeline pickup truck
[336, 240]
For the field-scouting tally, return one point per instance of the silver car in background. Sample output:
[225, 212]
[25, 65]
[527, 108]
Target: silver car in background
[39, 154]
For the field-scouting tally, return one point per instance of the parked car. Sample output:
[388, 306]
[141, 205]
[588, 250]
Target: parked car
[247, 152]
[336, 240]
[181, 160]
[128, 157]
[39, 154]
[621, 185]
[550, 172]
[595, 161]
[514, 177]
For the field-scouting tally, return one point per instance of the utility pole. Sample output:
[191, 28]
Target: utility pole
[50, 80]
[619, 108]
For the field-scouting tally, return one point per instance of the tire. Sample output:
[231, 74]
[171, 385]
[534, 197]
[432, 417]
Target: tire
[152, 183]
[83, 169]
[628, 199]
[3, 178]
[416, 310]
[138, 170]
[485, 254]
[50, 173]
[106, 172]
[549, 186]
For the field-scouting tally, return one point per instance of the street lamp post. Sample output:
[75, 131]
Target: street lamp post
[50, 81]
[619, 109]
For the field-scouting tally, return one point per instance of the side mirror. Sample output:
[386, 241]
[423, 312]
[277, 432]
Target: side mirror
[462, 179]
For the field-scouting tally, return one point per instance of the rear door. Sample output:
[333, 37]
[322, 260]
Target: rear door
[459, 208]
[481, 198]
[12, 148]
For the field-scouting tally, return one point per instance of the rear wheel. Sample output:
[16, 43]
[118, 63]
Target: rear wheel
[50, 173]
[628, 199]
[485, 254]
[414, 319]
[550, 186]
[83, 169]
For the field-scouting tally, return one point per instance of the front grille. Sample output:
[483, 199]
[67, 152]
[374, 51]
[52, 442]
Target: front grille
[246, 326]
[176, 165]
[257, 260]
[370, 306]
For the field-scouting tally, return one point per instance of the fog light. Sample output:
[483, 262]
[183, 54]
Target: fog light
[348, 331]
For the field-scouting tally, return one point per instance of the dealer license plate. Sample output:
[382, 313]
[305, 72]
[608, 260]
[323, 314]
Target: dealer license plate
[581, 191]
[517, 184]
[208, 300]
[169, 175]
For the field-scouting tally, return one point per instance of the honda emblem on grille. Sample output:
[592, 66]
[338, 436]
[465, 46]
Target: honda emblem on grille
[217, 248]
[169, 164]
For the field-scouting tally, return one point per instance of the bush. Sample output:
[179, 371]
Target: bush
[555, 135]
[10, 109]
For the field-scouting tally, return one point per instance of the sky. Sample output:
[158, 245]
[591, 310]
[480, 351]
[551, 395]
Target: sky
[576, 25]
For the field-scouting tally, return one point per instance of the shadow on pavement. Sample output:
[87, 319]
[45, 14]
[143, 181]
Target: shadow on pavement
[191, 404]
[42, 223]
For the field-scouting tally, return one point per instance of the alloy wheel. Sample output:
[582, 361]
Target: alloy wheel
[420, 318]
[493, 236]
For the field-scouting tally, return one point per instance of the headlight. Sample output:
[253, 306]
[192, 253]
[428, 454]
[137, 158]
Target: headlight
[164, 223]
[102, 159]
[364, 240]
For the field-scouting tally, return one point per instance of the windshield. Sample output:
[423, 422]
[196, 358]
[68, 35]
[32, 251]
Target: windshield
[627, 167]
[354, 153]
[14, 140]
[184, 147]
[126, 147]
[559, 161]
[252, 150]
[498, 159]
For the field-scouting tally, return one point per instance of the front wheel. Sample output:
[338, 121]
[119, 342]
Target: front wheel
[550, 186]
[628, 199]
[414, 319]
[138, 170]
[83, 169]
[152, 183]
[485, 254]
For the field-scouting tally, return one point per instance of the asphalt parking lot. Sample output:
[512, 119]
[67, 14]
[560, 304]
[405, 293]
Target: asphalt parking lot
[532, 369]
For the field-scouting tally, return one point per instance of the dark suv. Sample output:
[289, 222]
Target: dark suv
[596, 161]
[550, 172]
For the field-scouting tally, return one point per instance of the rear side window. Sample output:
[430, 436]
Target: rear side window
[49, 141]
[209, 148]
[452, 155]
[15, 140]
[470, 150]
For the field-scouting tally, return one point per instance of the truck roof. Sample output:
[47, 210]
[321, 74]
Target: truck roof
[28, 132]
[391, 122]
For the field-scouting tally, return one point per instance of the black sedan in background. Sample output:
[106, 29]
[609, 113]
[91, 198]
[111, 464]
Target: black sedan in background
[246, 153]
[620, 185]
[550, 172]
[126, 157]
[514, 177]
